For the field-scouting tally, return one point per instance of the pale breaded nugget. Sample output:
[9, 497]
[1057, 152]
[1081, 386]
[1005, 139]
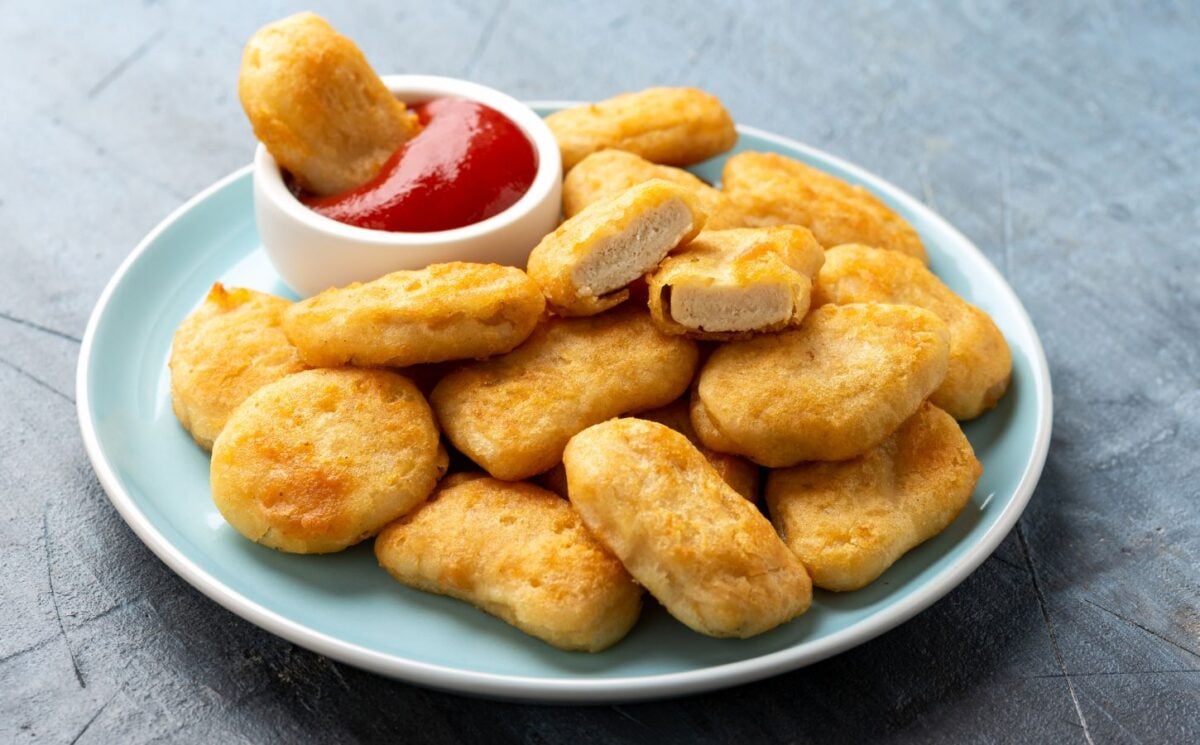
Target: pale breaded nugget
[317, 105]
[443, 312]
[829, 390]
[706, 553]
[322, 459]
[228, 348]
[980, 360]
[606, 173]
[519, 553]
[585, 265]
[729, 284]
[514, 414]
[734, 470]
[771, 189]
[673, 126]
[850, 521]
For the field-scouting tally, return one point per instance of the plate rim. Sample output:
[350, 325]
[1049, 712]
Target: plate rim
[577, 690]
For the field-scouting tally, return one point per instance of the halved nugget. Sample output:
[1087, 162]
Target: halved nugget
[519, 553]
[606, 173]
[323, 459]
[514, 414]
[772, 189]
[850, 521]
[584, 266]
[444, 312]
[228, 348]
[729, 284]
[703, 550]
[317, 105]
[675, 126]
[829, 390]
[980, 360]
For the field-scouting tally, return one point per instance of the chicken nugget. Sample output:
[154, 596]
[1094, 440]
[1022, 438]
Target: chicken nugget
[586, 264]
[606, 173]
[771, 189]
[706, 553]
[729, 284]
[443, 312]
[734, 470]
[228, 348]
[980, 360]
[317, 105]
[829, 390]
[672, 126]
[322, 459]
[519, 553]
[850, 521]
[514, 414]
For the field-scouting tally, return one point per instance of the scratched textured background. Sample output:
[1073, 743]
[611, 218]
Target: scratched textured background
[1061, 137]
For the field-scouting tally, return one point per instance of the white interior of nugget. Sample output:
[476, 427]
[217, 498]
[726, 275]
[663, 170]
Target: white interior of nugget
[724, 308]
[617, 260]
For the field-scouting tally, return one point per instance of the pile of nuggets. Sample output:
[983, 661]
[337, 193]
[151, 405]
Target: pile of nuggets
[673, 354]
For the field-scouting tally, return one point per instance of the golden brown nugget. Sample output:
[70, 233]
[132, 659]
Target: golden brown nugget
[706, 553]
[606, 173]
[829, 390]
[672, 126]
[980, 360]
[228, 348]
[729, 284]
[444, 312]
[317, 105]
[586, 264]
[514, 414]
[734, 470]
[322, 459]
[850, 521]
[771, 189]
[519, 553]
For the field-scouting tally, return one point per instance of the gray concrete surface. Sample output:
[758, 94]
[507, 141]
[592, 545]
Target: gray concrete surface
[1062, 137]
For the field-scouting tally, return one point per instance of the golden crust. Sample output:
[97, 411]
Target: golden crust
[228, 348]
[739, 261]
[850, 521]
[771, 189]
[322, 459]
[651, 218]
[317, 105]
[443, 312]
[980, 360]
[606, 173]
[672, 126]
[519, 553]
[514, 414]
[699, 547]
[829, 390]
[734, 470]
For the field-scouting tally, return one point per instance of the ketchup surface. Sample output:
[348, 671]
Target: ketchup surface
[469, 162]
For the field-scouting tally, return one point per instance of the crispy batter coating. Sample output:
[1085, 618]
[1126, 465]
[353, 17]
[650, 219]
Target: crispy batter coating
[980, 360]
[850, 521]
[443, 312]
[734, 470]
[771, 189]
[730, 284]
[228, 348]
[829, 390]
[606, 173]
[514, 414]
[586, 264]
[519, 553]
[322, 459]
[672, 126]
[317, 105]
[706, 553]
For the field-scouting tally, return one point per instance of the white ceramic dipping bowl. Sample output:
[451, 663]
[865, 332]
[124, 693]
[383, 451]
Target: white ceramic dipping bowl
[311, 252]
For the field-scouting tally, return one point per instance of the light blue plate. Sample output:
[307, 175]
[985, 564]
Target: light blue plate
[346, 607]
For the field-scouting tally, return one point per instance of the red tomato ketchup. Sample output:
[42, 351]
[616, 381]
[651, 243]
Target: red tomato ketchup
[468, 163]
